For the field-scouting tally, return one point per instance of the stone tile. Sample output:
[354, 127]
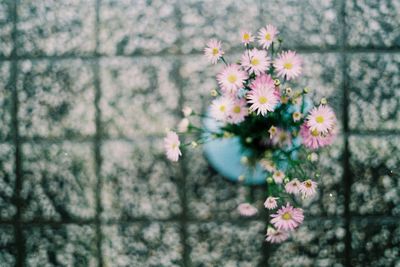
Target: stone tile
[323, 75]
[203, 20]
[312, 23]
[138, 27]
[52, 27]
[59, 181]
[374, 98]
[6, 27]
[139, 96]
[138, 182]
[65, 245]
[226, 244]
[210, 195]
[7, 181]
[329, 200]
[373, 23]
[375, 244]
[142, 244]
[375, 169]
[7, 246]
[56, 98]
[5, 101]
[316, 243]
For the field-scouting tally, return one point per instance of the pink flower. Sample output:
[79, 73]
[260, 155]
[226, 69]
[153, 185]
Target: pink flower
[278, 177]
[276, 236]
[239, 111]
[281, 138]
[293, 187]
[308, 188]
[213, 51]
[221, 108]
[255, 61]
[263, 96]
[246, 209]
[314, 140]
[247, 37]
[270, 203]
[288, 64]
[231, 78]
[321, 119]
[287, 218]
[268, 165]
[171, 144]
[267, 35]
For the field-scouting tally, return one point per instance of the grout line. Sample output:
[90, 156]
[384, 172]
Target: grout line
[97, 140]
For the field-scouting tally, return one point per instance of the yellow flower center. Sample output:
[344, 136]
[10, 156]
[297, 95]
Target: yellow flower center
[222, 108]
[262, 100]
[174, 146]
[268, 37]
[255, 61]
[286, 216]
[319, 119]
[232, 78]
[246, 36]
[314, 133]
[288, 65]
[215, 51]
[308, 184]
[236, 109]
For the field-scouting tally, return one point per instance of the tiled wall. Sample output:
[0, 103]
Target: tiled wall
[88, 86]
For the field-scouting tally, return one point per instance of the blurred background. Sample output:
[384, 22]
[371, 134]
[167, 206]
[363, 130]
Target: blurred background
[87, 88]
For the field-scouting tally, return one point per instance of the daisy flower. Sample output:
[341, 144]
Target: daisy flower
[221, 107]
[288, 64]
[255, 61]
[263, 96]
[276, 236]
[247, 37]
[183, 125]
[270, 203]
[268, 165]
[267, 35]
[293, 187]
[272, 131]
[308, 188]
[213, 51]
[278, 177]
[296, 116]
[314, 139]
[264, 80]
[246, 209]
[287, 218]
[321, 119]
[239, 111]
[281, 138]
[231, 78]
[171, 144]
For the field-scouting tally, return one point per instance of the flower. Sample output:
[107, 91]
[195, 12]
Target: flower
[267, 35]
[221, 107]
[287, 218]
[296, 116]
[281, 138]
[313, 139]
[213, 51]
[239, 111]
[308, 188]
[293, 187]
[313, 157]
[171, 144]
[247, 37]
[276, 236]
[321, 119]
[278, 177]
[187, 111]
[231, 78]
[268, 165]
[255, 61]
[246, 209]
[263, 96]
[183, 125]
[272, 131]
[288, 64]
[270, 203]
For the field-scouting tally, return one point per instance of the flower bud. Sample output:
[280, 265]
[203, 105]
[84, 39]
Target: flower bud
[277, 82]
[324, 101]
[286, 180]
[214, 92]
[306, 90]
[244, 160]
[270, 180]
[194, 144]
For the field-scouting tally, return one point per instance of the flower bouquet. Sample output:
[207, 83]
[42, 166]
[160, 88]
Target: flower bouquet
[277, 128]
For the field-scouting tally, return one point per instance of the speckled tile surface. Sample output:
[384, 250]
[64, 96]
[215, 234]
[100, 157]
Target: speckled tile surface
[93, 85]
